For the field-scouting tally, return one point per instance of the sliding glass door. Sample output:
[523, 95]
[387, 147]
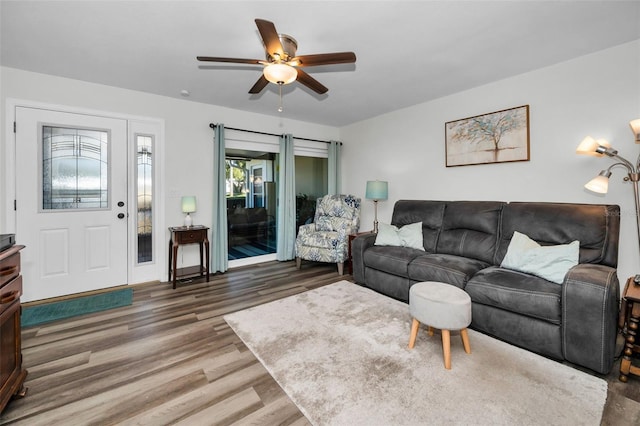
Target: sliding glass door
[251, 203]
[252, 173]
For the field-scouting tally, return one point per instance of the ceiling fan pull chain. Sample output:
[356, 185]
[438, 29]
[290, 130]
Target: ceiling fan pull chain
[280, 109]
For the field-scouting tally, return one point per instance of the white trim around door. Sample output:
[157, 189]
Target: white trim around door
[154, 266]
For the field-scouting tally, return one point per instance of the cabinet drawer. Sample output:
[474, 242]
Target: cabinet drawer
[10, 292]
[9, 268]
[195, 236]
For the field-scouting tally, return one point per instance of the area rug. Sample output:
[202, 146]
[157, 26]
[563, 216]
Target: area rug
[48, 312]
[340, 353]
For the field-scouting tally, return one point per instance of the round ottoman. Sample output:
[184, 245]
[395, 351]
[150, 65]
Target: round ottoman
[442, 306]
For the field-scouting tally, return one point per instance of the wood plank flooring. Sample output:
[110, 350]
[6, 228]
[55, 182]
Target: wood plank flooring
[170, 358]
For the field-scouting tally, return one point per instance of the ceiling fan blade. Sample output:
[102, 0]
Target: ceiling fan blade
[260, 84]
[311, 82]
[270, 37]
[325, 59]
[233, 60]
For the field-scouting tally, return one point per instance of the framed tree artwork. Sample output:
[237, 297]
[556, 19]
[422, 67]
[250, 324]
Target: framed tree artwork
[496, 137]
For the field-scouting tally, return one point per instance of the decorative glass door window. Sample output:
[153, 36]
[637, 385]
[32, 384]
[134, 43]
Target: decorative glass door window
[75, 168]
[144, 197]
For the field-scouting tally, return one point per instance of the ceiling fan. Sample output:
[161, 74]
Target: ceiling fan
[282, 66]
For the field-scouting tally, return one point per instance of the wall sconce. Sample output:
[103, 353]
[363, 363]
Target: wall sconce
[376, 190]
[600, 184]
[188, 206]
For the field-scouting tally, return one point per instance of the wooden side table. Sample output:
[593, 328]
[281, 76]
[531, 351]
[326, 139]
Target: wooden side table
[630, 318]
[181, 235]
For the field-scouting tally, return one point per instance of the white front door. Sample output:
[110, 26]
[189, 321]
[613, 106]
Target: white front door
[71, 201]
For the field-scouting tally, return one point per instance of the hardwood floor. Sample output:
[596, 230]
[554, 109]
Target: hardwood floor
[170, 358]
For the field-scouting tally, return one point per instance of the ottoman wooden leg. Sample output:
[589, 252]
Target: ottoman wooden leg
[414, 332]
[446, 348]
[465, 340]
[430, 331]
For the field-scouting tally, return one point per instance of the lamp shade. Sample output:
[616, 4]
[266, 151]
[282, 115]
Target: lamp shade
[589, 146]
[377, 190]
[280, 73]
[189, 204]
[600, 183]
[635, 127]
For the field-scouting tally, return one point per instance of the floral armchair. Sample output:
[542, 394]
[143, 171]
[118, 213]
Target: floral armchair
[327, 239]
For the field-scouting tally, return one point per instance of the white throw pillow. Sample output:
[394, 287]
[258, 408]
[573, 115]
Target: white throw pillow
[549, 262]
[407, 236]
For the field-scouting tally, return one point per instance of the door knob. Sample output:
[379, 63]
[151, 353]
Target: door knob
[120, 203]
[120, 215]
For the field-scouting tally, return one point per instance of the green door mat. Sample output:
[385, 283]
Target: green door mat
[40, 314]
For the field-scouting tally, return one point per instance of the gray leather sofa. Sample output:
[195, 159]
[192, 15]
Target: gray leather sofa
[465, 242]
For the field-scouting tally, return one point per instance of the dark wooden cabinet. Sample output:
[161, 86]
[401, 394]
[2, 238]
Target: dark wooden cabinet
[629, 323]
[12, 375]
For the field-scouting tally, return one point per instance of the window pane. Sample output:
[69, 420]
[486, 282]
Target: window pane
[144, 197]
[311, 184]
[74, 168]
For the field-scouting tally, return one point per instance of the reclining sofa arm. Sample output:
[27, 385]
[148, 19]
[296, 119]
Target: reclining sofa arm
[590, 303]
[358, 247]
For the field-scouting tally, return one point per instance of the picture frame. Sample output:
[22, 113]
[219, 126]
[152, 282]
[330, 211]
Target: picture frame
[496, 137]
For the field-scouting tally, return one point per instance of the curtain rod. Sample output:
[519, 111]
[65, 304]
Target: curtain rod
[213, 126]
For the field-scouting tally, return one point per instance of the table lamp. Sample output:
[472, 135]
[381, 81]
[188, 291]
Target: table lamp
[376, 190]
[188, 206]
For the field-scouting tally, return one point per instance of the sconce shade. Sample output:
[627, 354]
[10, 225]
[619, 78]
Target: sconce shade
[589, 146]
[280, 73]
[188, 204]
[377, 190]
[635, 127]
[600, 183]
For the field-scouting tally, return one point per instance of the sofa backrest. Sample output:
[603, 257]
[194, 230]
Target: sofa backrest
[596, 226]
[483, 229]
[470, 229]
[430, 213]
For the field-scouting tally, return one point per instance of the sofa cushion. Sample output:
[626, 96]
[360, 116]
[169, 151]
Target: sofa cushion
[332, 223]
[470, 229]
[390, 259]
[516, 292]
[444, 268]
[595, 226]
[321, 239]
[391, 285]
[521, 330]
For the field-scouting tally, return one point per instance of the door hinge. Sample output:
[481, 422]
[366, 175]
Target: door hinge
[14, 127]
[15, 205]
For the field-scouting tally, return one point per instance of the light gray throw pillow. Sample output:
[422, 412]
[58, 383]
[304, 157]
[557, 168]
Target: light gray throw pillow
[406, 236]
[549, 262]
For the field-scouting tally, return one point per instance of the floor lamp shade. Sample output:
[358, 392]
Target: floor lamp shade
[188, 206]
[376, 190]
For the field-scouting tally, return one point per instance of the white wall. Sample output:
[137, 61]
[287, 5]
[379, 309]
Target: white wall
[188, 138]
[597, 94]
[593, 95]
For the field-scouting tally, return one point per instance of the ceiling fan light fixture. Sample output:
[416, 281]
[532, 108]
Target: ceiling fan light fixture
[280, 73]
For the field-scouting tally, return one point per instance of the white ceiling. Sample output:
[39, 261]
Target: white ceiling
[408, 52]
